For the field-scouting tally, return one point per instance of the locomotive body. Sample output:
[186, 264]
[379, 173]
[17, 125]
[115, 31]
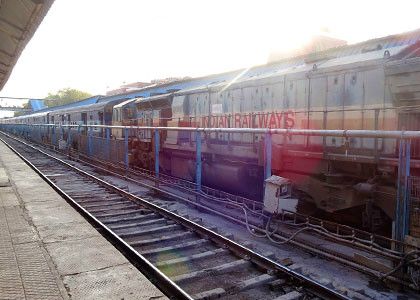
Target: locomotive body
[92, 114]
[374, 85]
[370, 91]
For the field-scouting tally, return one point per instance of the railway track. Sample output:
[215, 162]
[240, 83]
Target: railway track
[369, 253]
[183, 258]
[366, 252]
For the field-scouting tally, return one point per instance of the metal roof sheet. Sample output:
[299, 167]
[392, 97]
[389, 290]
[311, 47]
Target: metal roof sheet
[122, 104]
[37, 105]
[141, 100]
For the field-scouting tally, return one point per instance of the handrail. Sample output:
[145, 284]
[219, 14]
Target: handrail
[401, 134]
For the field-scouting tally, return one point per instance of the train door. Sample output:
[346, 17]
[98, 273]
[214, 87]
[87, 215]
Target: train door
[84, 122]
[101, 122]
[68, 123]
[149, 123]
[48, 122]
[410, 121]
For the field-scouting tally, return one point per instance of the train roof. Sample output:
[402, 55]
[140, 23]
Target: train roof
[155, 102]
[153, 98]
[345, 52]
[122, 104]
[35, 115]
[87, 107]
[371, 57]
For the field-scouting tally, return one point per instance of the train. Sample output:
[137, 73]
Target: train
[373, 85]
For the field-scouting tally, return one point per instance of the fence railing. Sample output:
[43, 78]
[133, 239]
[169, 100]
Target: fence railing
[403, 203]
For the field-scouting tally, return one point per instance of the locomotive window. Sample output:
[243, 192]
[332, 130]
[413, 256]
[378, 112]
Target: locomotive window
[100, 116]
[281, 191]
[129, 113]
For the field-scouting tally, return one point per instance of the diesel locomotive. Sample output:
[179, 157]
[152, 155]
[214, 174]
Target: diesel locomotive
[374, 85]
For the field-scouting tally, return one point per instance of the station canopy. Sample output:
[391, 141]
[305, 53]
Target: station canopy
[19, 19]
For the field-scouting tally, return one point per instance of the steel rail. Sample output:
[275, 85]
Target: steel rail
[161, 280]
[310, 284]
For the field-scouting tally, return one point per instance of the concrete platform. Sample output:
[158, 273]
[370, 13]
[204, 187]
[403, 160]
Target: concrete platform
[48, 251]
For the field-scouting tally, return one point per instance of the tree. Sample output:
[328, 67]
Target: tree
[65, 96]
[62, 97]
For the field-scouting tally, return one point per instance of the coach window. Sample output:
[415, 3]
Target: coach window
[101, 117]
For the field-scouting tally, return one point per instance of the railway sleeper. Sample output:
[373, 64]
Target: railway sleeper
[169, 249]
[148, 242]
[157, 221]
[146, 214]
[121, 213]
[94, 199]
[194, 257]
[294, 295]
[167, 228]
[107, 203]
[217, 270]
[79, 192]
[71, 179]
[209, 295]
[242, 286]
[111, 207]
[89, 188]
[253, 282]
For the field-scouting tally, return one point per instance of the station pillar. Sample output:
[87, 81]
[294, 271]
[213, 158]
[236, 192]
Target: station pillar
[267, 167]
[108, 150]
[54, 135]
[157, 145]
[69, 138]
[198, 160]
[90, 141]
[157, 153]
[402, 212]
[127, 163]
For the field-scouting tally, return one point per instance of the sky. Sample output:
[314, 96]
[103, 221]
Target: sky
[97, 45]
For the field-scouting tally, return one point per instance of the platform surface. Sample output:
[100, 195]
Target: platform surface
[48, 251]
